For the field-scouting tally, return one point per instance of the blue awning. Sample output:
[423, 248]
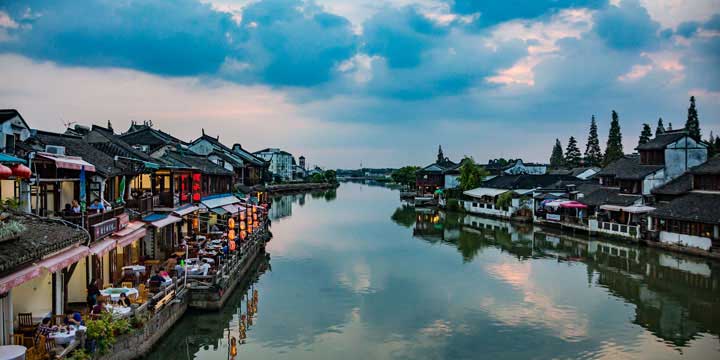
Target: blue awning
[7, 159]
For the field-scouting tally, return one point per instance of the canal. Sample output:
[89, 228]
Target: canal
[354, 274]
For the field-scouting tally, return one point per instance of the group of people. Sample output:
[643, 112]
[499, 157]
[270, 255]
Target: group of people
[74, 207]
[46, 328]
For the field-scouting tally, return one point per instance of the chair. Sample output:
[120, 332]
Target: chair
[41, 347]
[25, 323]
[127, 284]
[17, 339]
[142, 296]
[32, 353]
[108, 286]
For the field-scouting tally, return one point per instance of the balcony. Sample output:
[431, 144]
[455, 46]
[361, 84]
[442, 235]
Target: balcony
[144, 204]
[90, 219]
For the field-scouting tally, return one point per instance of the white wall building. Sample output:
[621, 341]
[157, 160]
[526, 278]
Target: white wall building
[281, 162]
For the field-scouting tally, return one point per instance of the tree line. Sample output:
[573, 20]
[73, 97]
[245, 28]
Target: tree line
[594, 157]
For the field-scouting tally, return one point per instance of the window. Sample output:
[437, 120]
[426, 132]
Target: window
[474, 204]
[10, 143]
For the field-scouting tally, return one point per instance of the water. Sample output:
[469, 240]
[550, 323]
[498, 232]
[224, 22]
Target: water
[356, 275]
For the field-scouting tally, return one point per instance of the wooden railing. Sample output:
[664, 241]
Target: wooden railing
[144, 204]
[91, 219]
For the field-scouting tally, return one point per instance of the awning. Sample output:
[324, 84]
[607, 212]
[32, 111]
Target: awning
[215, 201]
[633, 209]
[18, 278]
[232, 209]
[68, 162]
[64, 259]
[102, 247]
[185, 209]
[7, 159]
[480, 192]
[170, 219]
[220, 211]
[133, 231]
[572, 205]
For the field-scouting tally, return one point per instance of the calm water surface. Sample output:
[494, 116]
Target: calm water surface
[356, 275]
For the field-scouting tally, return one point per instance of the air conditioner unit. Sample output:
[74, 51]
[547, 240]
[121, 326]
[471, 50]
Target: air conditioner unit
[54, 149]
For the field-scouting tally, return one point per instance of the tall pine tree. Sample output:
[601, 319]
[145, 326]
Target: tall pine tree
[614, 148]
[557, 159]
[572, 154]
[645, 135]
[660, 127]
[593, 154]
[692, 126]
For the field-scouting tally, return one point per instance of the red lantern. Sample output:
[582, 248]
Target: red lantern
[22, 171]
[5, 172]
[243, 234]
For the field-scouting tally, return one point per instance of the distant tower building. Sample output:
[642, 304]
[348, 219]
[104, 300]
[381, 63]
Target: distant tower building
[302, 162]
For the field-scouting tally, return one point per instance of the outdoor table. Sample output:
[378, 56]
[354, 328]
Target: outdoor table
[114, 293]
[118, 311]
[64, 338]
[12, 352]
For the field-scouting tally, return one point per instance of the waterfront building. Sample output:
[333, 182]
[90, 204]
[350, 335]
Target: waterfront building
[280, 162]
[514, 167]
[582, 173]
[690, 214]
[433, 177]
[248, 168]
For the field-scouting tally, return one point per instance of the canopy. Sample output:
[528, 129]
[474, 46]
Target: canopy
[572, 205]
[480, 192]
[185, 209]
[102, 247]
[64, 259]
[18, 278]
[215, 201]
[68, 162]
[633, 209]
[7, 159]
[170, 219]
[133, 231]
[232, 209]
[554, 203]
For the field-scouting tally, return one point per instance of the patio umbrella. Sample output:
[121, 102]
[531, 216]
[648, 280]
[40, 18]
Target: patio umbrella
[121, 198]
[82, 189]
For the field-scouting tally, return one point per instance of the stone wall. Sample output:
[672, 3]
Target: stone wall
[140, 341]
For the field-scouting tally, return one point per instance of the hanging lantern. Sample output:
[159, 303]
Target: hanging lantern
[254, 217]
[233, 347]
[231, 236]
[21, 171]
[231, 223]
[5, 172]
[243, 234]
[231, 244]
[195, 223]
[242, 215]
[249, 220]
[242, 225]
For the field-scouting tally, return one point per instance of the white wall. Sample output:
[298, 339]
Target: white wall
[468, 204]
[77, 286]
[686, 240]
[654, 180]
[682, 155]
[34, 296]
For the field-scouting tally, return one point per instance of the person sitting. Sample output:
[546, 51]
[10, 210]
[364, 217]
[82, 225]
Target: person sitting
[67, 211]
[164, 274]
[156, 278]
[44, 329]
[124, 300]
[75, 207]
[74, 319]
[97, 205]
[99, 307]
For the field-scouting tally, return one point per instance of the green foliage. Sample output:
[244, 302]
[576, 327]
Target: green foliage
[405, 175]
[330, 176]
[317, 178]
[104, 329]
[504, 200]
[557, 160]
[12, 203]
[11, 229]
[693, 123]
[453, 205]
[471, 174]
[572, 154]
[404, 215]
[614, 149]
[593, 153]
[79, 354]
[645, 135]
[660, 127]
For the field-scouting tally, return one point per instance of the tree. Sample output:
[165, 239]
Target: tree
[645, 135]
[692, 126]
[330, 176]
[405, 175]
[471, 174]
[557, 159]
[593, 154]
[660, 127]
[614, 148]
[572, 154]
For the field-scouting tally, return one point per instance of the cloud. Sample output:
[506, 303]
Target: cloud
[181, 37]
[627, 26]
[494, 12]
[687, 29]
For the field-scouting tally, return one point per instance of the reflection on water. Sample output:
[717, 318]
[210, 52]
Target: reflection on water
[365, 277]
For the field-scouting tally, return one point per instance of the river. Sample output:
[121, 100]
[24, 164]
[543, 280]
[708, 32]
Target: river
[354, 274]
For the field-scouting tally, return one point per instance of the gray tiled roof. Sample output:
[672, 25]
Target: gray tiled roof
[695, 206]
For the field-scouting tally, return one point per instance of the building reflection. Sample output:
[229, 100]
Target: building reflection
[282, 206]
[674, 295]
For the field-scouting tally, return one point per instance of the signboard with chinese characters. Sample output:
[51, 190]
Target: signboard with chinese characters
[103, 229]
[553, 217]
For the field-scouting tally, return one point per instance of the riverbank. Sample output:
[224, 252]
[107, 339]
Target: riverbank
[302, 187]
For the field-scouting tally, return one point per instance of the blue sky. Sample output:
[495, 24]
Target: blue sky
[381, 82]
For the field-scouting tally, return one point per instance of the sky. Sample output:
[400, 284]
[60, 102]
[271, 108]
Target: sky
[380, 83]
